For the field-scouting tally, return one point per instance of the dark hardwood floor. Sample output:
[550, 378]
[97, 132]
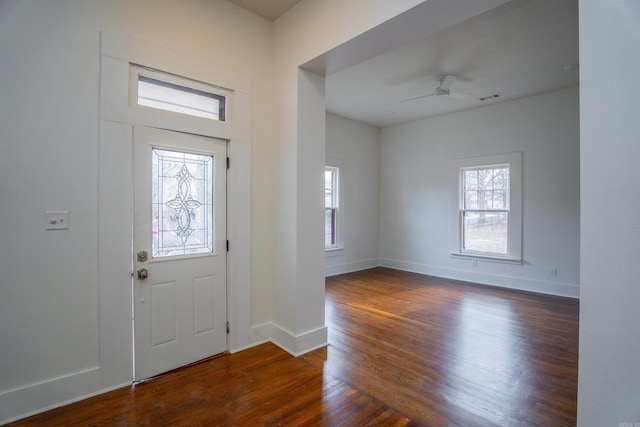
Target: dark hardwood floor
[405, 349]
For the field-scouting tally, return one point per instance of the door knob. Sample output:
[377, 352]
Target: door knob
[142, 256]
[142, 273]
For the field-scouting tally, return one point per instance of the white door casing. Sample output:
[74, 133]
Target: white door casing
[180, 289]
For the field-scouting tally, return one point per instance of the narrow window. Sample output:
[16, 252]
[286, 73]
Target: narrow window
[179, 95]
[485, 210]
[331, 176]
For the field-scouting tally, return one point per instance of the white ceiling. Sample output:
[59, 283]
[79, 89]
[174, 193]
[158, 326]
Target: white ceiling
[268, 9]
[516, 50]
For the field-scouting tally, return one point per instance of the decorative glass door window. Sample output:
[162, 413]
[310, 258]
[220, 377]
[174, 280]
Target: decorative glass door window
[182, 203]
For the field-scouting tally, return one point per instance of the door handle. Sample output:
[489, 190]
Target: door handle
[142, 273]
[142, 256]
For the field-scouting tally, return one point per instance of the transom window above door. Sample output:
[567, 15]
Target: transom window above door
[164, 91]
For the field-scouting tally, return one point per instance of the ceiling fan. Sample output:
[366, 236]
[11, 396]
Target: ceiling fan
[444, 90]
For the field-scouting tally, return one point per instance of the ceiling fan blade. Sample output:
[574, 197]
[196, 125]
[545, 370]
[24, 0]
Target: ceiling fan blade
[458, 95]
[417, 97]
[442, 91]
[446, 81]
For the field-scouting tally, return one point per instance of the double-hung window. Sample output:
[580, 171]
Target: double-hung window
[331, 200]
[484, 210]
[489, 208]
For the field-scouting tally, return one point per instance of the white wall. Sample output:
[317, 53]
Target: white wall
[609, 376]
[49, 294]
[419, 192]
[309, 29]
[355, 147]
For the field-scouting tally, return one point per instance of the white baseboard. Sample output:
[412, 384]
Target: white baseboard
[297, 345]
[260, 334]
[541, 287]
[332, 270]
[36, 398]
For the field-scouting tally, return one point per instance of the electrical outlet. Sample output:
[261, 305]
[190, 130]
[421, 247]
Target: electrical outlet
[553, 271]
[475, 263]
[57, 220]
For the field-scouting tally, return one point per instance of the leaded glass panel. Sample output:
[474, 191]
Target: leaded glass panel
[182, 203]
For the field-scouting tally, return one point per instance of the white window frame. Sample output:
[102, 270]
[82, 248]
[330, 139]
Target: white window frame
[514, 245]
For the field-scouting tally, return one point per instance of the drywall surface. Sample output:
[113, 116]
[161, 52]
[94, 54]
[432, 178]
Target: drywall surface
[354, 147]
[419, 191]
[609, 373]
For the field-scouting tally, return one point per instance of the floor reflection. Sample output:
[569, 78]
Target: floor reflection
[487, 358]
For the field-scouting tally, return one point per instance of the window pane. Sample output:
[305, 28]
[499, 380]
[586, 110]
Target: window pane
[180, 99]
[486, 189]
[500, 199]
[182, 203]
[471, 180]
[471, 200]
[329, 188]
[486, 232]
[500, 178]
[328, 179]
[329, 227]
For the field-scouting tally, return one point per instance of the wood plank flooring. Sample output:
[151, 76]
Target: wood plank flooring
[405, 349]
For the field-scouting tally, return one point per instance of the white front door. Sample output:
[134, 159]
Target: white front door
[179, 249]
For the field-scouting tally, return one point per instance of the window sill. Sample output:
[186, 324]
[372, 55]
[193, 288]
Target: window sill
[333, 252]
[488, 258]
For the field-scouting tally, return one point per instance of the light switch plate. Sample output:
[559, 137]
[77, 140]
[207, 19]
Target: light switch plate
[57, 220]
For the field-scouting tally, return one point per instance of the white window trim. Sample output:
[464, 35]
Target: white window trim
[333, 252]
[338, 249]
[514, 161]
